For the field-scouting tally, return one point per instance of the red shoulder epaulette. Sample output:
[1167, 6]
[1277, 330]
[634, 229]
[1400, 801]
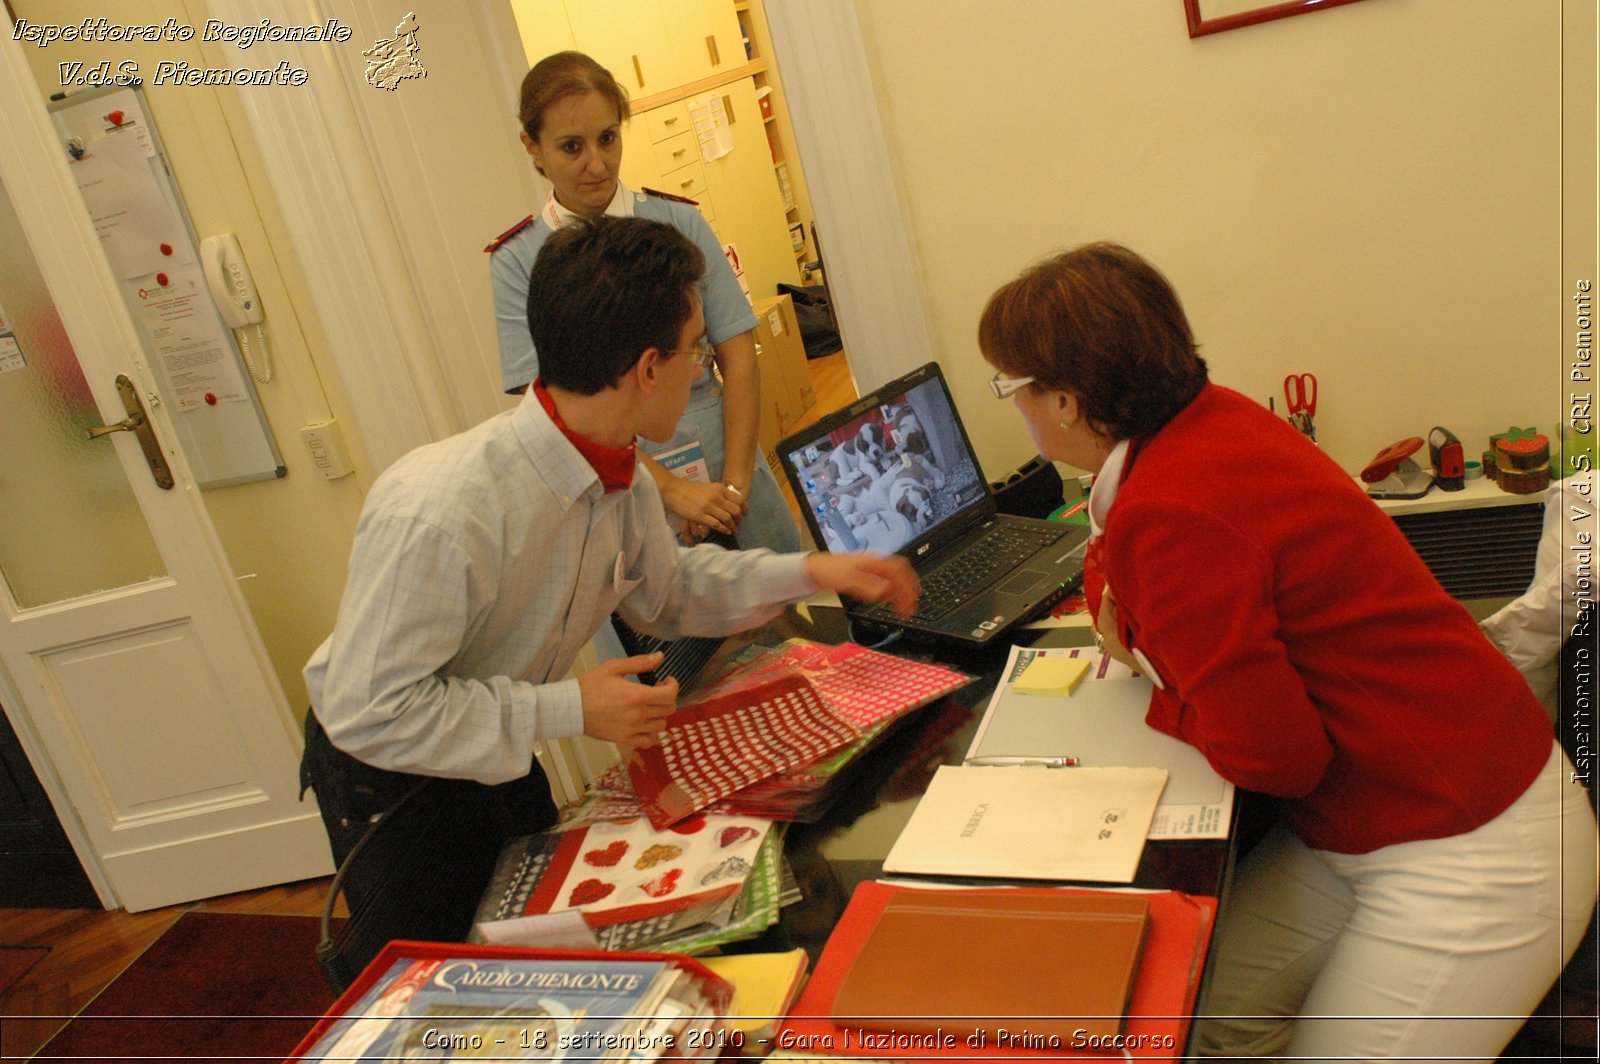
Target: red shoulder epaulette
[509, 233]
[669, 196]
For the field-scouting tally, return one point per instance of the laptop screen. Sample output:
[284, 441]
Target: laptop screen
[895, 471]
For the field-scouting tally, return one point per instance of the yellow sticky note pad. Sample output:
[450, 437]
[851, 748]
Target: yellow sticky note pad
[1051, 676]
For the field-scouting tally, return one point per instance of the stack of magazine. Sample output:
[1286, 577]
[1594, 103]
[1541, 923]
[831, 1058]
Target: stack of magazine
[705, 882]
[678, 849]
[428, 1001]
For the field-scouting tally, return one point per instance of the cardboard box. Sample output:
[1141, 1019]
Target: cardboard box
[786, 389]
[791, 351]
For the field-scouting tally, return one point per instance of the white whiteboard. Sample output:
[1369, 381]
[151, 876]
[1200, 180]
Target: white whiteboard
[121, 171]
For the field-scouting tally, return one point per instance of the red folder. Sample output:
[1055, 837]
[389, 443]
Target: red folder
[1159, 1011]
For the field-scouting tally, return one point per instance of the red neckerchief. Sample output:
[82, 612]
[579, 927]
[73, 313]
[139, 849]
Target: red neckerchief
[614, 465]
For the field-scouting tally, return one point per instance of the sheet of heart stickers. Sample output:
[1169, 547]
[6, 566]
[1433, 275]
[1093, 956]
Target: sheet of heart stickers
[620, 865]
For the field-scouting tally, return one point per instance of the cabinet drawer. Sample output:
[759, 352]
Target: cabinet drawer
[668, 121]
[678, 151]
[686, 181]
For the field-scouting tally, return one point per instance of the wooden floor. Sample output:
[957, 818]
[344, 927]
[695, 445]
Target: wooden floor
[830, 377]
[90, 947]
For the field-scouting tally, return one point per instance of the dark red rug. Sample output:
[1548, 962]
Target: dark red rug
[15, 962]
[215, 986]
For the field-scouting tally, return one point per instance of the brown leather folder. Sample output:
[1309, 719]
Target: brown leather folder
[965, 961]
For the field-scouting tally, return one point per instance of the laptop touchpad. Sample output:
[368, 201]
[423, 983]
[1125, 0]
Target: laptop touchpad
[1021, 582]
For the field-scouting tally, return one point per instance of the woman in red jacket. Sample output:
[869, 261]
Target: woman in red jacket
[1432, 859]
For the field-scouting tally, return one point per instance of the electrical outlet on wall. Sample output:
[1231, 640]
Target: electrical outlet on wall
[328, 453]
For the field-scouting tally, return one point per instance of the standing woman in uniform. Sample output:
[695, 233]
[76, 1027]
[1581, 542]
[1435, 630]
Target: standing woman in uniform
[571, 111]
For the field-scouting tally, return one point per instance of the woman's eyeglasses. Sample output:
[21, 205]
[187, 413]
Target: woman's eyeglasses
[1004, 387]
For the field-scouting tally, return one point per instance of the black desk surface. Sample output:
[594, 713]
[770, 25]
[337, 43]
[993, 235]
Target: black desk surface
[878, 791]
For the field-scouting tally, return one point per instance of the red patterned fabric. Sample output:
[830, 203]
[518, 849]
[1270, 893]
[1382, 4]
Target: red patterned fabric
[713, 748]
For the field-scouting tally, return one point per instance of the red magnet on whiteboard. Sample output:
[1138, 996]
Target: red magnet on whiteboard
[211, 398]
[115, 117]
[161, 279]
[166, 249]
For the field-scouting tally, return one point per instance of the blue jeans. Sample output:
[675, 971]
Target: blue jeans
[769, 522]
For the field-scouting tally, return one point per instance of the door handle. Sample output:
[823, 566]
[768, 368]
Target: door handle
[127, 424]
[137, 423]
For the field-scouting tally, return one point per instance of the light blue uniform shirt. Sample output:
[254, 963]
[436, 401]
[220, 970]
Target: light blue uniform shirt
[723, 302]
[727, 312]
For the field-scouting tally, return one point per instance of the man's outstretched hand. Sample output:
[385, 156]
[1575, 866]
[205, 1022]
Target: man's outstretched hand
[868, 578]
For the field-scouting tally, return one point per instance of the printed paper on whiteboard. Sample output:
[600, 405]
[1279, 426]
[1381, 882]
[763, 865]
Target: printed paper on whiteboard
[131, 217]
[188, 339]
[11, 354]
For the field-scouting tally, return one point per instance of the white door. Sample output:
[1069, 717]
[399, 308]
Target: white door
[128, 662]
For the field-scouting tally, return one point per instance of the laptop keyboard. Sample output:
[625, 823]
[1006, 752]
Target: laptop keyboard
[974, 568]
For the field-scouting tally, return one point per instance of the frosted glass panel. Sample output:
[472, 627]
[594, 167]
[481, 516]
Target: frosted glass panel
[69, 525]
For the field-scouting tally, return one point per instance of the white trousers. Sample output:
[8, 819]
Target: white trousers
[1423, 950]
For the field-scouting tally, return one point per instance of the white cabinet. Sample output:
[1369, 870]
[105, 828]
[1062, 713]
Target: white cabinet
[650, 46]
[737, 192]
[543, 27]
[661, 151]
[744, 188]
[665, 121]
[630, 38]
[679, 150]
[706, 36]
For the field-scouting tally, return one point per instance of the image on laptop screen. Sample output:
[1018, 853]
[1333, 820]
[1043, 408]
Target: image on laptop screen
[891, 475]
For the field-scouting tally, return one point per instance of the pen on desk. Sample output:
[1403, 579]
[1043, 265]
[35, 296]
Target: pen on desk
[1041, 762]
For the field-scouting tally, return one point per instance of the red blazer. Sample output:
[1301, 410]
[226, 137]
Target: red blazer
[1305, 649]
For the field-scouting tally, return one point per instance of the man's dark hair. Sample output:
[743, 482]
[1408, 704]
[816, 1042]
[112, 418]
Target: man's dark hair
[605, 290]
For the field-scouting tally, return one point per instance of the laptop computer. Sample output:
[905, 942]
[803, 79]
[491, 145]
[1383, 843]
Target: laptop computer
[894, 472]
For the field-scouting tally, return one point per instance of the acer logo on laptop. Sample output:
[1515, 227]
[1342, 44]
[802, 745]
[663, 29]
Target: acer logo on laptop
[924, 549]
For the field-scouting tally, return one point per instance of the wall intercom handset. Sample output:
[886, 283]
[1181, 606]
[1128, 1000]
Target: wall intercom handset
[235, 296]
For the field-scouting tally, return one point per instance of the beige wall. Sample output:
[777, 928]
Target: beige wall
[1369, 193]
[287, 539]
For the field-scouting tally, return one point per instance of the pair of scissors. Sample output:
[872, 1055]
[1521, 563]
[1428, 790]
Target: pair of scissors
[1300, 391]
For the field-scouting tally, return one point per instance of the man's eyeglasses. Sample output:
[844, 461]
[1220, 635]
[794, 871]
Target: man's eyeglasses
[1004, 387]
[705, 355]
